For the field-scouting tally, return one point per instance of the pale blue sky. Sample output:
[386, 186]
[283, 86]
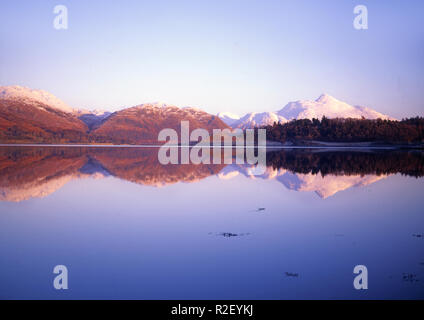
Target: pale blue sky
[228, 55]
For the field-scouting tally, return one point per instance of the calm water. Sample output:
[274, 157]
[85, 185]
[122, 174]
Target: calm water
[127, 227]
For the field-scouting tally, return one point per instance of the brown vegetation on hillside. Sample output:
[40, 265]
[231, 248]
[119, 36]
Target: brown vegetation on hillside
[36, 123]
[143, 124]
[21, 122]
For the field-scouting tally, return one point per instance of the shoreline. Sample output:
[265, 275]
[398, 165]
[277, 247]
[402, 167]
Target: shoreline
[270, 145]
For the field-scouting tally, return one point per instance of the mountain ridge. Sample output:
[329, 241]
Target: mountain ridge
[28, 115]
[325, 105]
[36, 116]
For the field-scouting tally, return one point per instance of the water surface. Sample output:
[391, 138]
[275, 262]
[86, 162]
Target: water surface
[128, 227]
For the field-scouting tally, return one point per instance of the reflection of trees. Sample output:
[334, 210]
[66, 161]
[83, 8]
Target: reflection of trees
[379, 162]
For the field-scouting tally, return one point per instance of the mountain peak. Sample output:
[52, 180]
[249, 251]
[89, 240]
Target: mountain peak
[329, 107]
[31, 95]
[228, 114]
[325, 105]
[257, 119]
[157, 104]
[228, 117]
[325, 97]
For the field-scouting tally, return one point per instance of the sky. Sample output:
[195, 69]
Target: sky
[221, 55]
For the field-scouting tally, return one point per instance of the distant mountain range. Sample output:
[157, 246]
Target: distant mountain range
[325, 105]
[37, 116]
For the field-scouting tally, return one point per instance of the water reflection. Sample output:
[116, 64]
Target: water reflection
[323, 185]
[130, 228]
[35, 172]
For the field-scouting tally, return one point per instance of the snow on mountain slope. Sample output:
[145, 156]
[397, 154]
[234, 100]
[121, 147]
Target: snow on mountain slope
[328, 106]
[96, 112]
[28, 95]
[169, 110]
[325, 105]
[255, 119]
[228, 117]
[141, 124]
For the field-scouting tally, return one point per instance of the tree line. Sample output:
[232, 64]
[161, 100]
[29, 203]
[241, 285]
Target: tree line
[409, 130]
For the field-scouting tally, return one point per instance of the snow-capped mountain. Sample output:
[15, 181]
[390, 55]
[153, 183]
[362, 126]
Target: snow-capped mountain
[325, 105]
[27, 95]
[328, 106]
[36, 116]
[31, 96]
[28, 115]
[44, 101]
[142, 123]
[255, 119]
[228, 117]
[95, 112]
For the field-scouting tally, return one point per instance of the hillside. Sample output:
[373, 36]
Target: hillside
[36, 116]
[34, 122]
[142, 124]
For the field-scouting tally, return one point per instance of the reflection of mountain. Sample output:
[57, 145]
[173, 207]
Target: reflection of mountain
[27, 172]
[141, 166]
[328, 172]
[37, 172]
[324, 186]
